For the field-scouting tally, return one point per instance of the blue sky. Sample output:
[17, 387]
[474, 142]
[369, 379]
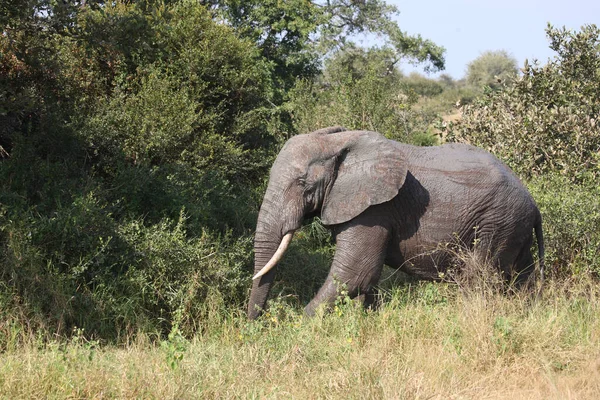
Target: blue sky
[466, 28]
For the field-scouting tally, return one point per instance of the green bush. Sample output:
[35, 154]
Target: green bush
[182, 89]
[546, 121]
[372, 102]
[571, 223]
[423, 86]
[133, 140]
[117, 280]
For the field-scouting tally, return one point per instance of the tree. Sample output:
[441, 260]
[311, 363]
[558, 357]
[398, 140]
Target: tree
[353, 63]
[491, 69]
[344, 18]
[361, 89]
[295, 34]
[115, 122]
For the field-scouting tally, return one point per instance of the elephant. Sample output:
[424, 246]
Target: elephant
[392, 203]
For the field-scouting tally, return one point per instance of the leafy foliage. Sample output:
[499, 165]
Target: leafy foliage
[121, 136]
[547, 119]
[293, 34]
[571, 219]
[342, 18]
[362, 90]
[282, 33]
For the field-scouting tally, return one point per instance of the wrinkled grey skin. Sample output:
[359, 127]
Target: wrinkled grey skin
[393, 203]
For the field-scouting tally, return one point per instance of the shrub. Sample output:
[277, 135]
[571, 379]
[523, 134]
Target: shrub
[372, 102]
[571, 223]
[124, 279]
[546, 121]
[182, 88]
[132, 138]
[423, 86]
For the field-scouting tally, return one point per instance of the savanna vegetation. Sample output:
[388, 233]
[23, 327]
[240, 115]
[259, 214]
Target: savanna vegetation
[135, 142]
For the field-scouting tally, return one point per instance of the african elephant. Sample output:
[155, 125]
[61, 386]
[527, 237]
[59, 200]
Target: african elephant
[391, 203]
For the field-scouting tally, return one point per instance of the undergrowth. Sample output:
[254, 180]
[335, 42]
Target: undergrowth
[428, 340]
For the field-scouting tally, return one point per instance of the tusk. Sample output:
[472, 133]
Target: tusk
[285, 242]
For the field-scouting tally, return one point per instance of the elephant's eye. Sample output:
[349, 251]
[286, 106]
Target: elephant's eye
[309, 191]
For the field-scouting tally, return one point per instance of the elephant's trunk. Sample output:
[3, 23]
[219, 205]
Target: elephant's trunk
[265, 247]
[269, 246]
[285, 242]
[278, 218]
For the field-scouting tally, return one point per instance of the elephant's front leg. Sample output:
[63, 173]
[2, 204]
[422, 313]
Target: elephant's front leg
[357, 264]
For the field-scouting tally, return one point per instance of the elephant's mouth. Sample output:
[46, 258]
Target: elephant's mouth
[309, 216]
[285, 242]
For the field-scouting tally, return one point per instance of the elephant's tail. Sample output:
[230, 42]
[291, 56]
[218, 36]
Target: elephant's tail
[539, 237]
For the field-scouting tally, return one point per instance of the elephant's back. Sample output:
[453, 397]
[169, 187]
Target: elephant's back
[453, 158]
[470, 192]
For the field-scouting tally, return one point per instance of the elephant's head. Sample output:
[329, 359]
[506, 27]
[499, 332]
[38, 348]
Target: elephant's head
[331, 172]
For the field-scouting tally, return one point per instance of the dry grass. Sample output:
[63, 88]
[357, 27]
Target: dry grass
[428, 341]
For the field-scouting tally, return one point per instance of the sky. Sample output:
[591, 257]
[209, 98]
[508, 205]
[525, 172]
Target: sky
[467, 28]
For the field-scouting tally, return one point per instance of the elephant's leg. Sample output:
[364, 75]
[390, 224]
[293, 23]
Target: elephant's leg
[515, 260]
[524, 265]
[369, 300]
[372, 299]
[357, 264]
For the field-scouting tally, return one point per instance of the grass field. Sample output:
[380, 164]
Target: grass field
[427, 341]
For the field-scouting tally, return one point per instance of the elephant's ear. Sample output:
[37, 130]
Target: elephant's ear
[371, 170]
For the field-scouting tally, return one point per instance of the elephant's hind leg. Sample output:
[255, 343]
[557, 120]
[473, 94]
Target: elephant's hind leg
[357, 264]
[524, 265]
[515, 261]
